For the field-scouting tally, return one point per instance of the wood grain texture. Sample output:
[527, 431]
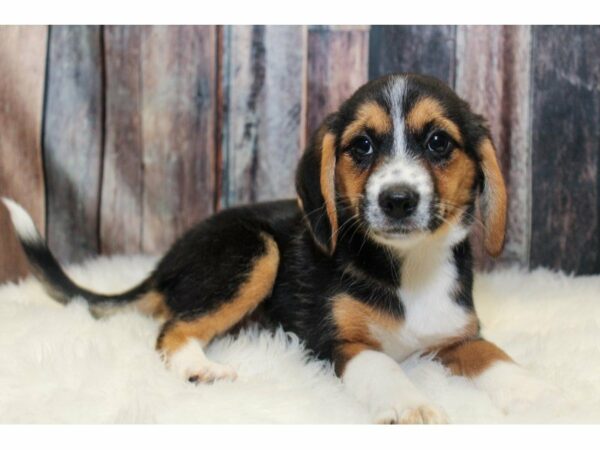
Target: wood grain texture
[72, 140]
[264, 100]
[178, 130]
[337, 66]
[425, 49]
[149, 129]
[22, 68]
[493, 75]
[122, 174]
[159, 170]
[566, 136]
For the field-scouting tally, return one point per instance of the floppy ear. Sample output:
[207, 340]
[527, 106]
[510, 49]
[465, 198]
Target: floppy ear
[493, 198]
[315, 184]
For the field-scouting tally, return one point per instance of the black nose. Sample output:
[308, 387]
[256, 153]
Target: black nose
[398, 202]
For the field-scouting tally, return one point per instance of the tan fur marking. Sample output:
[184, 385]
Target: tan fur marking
[346, 352]
[471, 358]
[153, 304]
[472, 328]
[351, 181]
[454, 181]
[353, 319]
[370, 115]
[327, 180]
[250, 294]
[494, 200]
[429, 110]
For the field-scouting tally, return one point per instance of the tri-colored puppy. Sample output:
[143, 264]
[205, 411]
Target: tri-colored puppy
[369, 265]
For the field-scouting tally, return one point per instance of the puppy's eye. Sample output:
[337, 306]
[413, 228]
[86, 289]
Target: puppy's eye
[439, 144]
[361, 147]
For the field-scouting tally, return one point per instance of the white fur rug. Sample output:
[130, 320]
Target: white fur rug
[58, 365]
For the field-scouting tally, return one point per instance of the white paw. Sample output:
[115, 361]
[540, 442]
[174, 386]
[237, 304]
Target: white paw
[380, 383]
[421, 414]
[514, 390]
[191, 364]
[209, 372]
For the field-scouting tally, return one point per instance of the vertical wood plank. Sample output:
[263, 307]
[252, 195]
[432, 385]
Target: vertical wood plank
[122, 174]
[22, 71]
[493, 75]
[264, 120]
[178, 131]
[220, 105]
[73, 140]
[427, 49]
[337, 66]
[566, 143]
[159, 171]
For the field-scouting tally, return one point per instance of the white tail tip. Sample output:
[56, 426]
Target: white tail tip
[22, 221]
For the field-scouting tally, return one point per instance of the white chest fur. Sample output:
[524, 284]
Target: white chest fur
[431, 314]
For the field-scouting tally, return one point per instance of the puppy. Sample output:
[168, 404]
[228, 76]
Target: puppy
[368, 266]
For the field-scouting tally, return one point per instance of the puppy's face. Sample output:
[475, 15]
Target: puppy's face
[405, 158]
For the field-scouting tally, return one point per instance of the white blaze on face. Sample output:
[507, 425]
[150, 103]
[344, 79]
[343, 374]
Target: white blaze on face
[396, 92]
[400, 168]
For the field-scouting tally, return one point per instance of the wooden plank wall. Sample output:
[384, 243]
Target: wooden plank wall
[72, 139]
[566, 144]
[22, 74]
[118, 138]
[263, 88]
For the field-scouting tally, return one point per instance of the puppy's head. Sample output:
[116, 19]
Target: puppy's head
[404, 158]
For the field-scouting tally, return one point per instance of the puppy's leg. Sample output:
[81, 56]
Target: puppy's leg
[187, 359]
[378, 381]
[183, 338]
[510, 387]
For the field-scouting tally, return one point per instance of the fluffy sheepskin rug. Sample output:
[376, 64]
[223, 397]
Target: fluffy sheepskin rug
[58, 364]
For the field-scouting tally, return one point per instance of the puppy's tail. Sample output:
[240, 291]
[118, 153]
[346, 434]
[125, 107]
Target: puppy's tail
[56, 282]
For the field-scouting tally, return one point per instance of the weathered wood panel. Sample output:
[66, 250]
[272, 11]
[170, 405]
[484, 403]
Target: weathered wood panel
[264, 116]
[412, 48]
[220, 117]
[159, 170]
[493, 75]
[73, 140]
[22, 67]
[566, 143]
[161, 125]
[122, 175]
[178, 130]
[337, 66]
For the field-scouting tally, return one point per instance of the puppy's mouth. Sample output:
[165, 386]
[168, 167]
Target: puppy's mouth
[382, 226]
[397, 232]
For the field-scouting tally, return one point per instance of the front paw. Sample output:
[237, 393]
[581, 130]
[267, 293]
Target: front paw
[209, 372]
[191, 364]
[417, 414]
[514, 390]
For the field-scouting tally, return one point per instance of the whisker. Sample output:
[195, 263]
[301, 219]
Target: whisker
[340, 228]
[476, 220]
[315, 211]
